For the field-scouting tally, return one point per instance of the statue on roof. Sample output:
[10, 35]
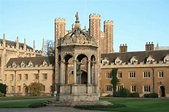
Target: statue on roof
[77, 17]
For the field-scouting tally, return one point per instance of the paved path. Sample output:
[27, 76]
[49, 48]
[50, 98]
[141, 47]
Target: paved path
[46, 109]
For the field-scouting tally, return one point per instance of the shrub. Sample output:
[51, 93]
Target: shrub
[3, 88]
[35, 89]
[122, 93]
[151, 95]
[134, 94]
[2, 94]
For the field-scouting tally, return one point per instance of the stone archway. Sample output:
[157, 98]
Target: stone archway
[162, 91]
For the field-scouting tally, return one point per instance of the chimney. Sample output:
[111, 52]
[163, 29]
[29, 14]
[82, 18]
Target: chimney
[149, 46]
[123, 48]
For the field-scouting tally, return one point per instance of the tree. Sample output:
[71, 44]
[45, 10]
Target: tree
[2, 89]
[114, 80]
[35, 89]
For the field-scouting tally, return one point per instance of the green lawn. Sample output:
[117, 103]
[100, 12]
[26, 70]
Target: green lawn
[21, 104]
[25, 102]
[139, 104]
[22, 98]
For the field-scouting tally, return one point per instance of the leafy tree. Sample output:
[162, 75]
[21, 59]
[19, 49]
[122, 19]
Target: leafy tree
[35, 89]
[3, 88]
[114, 80]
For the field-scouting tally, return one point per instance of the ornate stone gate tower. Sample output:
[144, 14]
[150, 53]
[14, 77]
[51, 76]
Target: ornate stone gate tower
[77, 57]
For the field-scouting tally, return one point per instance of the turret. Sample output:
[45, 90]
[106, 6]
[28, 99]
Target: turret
[108, 38]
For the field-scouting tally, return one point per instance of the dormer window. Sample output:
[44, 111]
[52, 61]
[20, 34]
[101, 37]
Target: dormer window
[44, 63]
[30, 64]
[166, 58]
[105, 61]
[22, 64]
[14, 64]
[133, 60]
[150, 59]
[118, 60]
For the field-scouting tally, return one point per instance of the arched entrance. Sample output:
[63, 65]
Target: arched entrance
[162, 91]
[25, 90]
[84, 77]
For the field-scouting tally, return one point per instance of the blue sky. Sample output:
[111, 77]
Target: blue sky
[135, 21]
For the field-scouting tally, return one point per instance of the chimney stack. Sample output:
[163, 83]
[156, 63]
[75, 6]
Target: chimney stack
[123, 48]
[149, 46]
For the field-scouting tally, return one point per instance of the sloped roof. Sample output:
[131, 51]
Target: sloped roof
[141, 56]
[13, 43]
[34, 60]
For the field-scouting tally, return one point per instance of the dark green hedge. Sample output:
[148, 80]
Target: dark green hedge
[151, 95]
[97, 107]
[125, 93]
[122, 93]
[134, 94]
[3, 88]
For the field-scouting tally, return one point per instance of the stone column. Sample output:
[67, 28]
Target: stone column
[95, 73]
[62, 74]
[66, 74]
[74, 71]
[88, 70]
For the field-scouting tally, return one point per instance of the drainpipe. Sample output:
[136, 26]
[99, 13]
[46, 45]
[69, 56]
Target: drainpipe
[153, 80]
[15, 83]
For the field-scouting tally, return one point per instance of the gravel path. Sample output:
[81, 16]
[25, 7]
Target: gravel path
[46, 109]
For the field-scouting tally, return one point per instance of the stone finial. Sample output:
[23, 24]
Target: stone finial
[33, 45]
[4, 42]
[43, 47]
[24, 44]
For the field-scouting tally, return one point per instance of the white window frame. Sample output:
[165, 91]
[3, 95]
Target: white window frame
[133, 88]
[146, 74]
[132, 74]
[119, 75]
[147, 89]
[160, 74]
[109, 88]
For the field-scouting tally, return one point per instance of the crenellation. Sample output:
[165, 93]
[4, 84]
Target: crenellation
[94, 16]
[108, 22]
[62, 20]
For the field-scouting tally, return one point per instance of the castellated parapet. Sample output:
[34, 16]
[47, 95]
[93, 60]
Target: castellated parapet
[94, 16]
[108, 22]
[62, 20]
